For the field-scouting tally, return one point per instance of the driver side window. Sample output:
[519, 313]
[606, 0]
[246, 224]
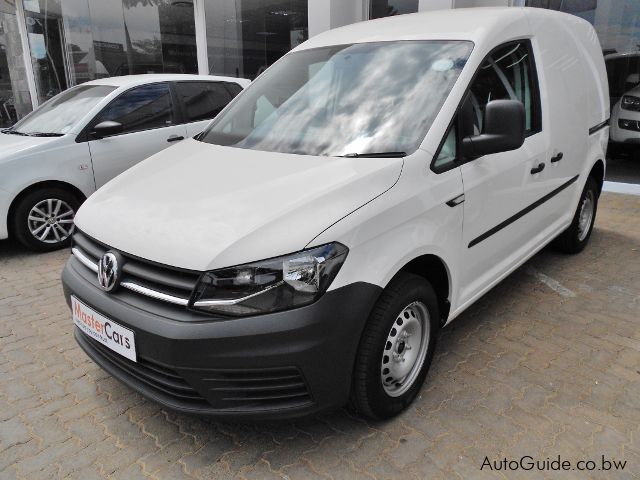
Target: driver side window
[508, 73]
[141, 108]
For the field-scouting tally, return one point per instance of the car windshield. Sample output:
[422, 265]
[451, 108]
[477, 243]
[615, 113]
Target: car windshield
[58, 115]
[367, 99]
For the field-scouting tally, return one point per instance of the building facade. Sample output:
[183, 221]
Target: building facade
[47, 46]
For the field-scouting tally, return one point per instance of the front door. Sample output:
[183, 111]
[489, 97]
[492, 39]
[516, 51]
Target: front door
[501, 190]
[149, 125]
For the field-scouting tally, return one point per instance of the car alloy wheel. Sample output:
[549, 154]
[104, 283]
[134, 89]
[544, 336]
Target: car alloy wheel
[51, 221]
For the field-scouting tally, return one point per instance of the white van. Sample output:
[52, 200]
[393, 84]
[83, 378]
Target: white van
[306, 249]
[74, 143]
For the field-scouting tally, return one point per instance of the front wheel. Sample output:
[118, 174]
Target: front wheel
[43, 219]
[576, 237]
[396, 348]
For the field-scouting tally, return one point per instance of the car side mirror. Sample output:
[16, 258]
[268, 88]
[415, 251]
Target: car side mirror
[106, 128]
[504, 130]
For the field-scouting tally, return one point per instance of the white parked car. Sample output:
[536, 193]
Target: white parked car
[59, 154]
[624, 82]
[366, 189]
[625, 118]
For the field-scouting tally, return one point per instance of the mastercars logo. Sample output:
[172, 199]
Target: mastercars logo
[103, 329]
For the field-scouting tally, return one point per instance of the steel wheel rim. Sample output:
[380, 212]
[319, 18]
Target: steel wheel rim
[51, 221]
[586, 215]
[405, 349]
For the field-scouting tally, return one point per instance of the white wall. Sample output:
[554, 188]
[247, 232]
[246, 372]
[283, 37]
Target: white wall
[482, 3]
[424, 5]
[327, 14]
[319, 17]
[344, 12]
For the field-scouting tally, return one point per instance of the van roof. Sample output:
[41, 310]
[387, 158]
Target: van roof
[473, 24]
[133, 80]
[456, 24]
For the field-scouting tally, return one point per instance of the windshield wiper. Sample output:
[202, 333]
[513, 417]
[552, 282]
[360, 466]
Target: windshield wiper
[375, 155]
[10, 131]
[44, 134]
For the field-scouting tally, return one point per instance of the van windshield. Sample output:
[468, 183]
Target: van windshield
[58, 115]
[366, 99]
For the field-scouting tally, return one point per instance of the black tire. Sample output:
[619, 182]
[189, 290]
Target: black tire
[21, 225]
[368, 395]
[571, 240]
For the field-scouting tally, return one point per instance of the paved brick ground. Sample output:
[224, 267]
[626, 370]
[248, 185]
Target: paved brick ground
[546, 364]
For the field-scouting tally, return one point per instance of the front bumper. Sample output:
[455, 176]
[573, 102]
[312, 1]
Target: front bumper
[629, 135]
[280, 365]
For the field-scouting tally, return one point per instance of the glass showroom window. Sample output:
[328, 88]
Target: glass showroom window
[388, 8]
[15, 101]
[73, 41]
[618, 25]
[244, 37]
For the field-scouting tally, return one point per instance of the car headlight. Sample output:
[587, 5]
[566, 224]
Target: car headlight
[629, 102]
[270, 285]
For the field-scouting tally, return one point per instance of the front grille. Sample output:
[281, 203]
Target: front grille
[162, 380]
[215, 390]
[166, 284]
[266, 388]
[204, 390]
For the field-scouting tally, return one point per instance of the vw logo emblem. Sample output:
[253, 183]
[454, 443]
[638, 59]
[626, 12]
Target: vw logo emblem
[108, 274]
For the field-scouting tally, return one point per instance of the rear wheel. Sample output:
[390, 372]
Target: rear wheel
[396, 348]
[43, 219]
[576, 237]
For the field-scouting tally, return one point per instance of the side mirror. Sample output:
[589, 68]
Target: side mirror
[504, 127]
[106, 128]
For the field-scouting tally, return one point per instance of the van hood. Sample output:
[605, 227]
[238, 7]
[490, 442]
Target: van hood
[15, 145]
[200, 206]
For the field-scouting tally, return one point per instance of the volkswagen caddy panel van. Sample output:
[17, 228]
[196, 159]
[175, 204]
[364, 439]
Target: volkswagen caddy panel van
[305, 250]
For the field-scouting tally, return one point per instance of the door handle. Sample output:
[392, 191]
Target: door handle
[537, 169]
[557, 158]
[454, 202]
[175, 138]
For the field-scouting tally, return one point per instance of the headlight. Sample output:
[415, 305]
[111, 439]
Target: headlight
[270, 285]
[629, 102]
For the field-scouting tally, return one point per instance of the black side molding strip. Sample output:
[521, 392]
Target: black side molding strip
[598, 127]
[522, 213]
